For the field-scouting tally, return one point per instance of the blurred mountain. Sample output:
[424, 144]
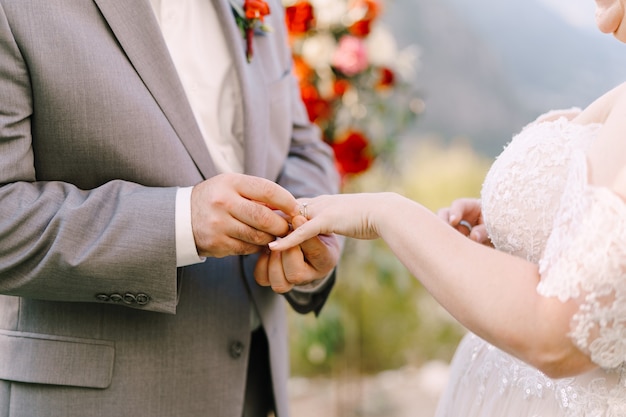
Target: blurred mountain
[487, 67]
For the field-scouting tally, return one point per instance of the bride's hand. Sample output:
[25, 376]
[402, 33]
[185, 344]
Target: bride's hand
[350, 215]
[465, 215]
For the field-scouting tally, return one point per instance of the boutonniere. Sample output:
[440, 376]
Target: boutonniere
[250, 19]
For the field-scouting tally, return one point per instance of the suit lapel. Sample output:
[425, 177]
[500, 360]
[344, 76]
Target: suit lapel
[256, 117]
[253, 91]
[138, 32]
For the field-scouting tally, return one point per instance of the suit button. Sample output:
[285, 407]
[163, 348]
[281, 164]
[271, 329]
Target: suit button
[142, 299]
[116, 298]
[236, 349]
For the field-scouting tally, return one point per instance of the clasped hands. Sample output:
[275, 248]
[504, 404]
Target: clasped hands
[236, 214]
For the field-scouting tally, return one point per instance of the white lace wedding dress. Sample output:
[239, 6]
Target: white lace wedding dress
[537, 205]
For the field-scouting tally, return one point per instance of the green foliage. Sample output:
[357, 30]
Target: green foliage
[378, 316]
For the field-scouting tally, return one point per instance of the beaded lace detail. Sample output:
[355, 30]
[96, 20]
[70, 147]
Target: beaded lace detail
[523, 188]
[493, 383]
[582, 256]
[585, 259]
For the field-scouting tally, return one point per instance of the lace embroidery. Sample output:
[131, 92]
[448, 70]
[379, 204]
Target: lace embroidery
[585, 259]
[523, 187]
[524, 385]
[520, 198]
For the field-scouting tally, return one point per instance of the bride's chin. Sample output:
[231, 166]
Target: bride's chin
[620, 32]
[609, 17]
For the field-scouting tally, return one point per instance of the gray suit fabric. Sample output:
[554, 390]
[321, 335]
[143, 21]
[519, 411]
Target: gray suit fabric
[95, 136]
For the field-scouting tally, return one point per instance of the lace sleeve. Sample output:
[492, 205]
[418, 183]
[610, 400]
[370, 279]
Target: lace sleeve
[585, 260]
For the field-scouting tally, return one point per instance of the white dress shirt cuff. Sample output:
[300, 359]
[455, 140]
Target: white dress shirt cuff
[186, 252]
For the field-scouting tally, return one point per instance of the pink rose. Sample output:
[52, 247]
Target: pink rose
[350, 57]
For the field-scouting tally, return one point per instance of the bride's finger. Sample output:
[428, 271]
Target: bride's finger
[301, 234]
[444, 214]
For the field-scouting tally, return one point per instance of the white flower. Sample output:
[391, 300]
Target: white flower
[317, 51]
[325, 82]
[407, 62]
[381, 47]
[329, 13]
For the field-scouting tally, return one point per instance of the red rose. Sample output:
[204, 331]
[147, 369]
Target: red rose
[360, 28]
[256, 9]
[299, 17]
[340, 86]
[387, 78]
[302, 70]
[316, 107]
[351, 153]
[250, 18]
[370, 11]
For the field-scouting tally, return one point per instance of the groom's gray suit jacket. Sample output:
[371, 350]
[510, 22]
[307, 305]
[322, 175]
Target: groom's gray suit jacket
[95, 136]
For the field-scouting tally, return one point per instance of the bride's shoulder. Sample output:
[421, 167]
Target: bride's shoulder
[601, 108]
[553, 115]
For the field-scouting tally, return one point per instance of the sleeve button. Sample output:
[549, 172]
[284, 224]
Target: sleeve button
[142, 299]
[116, 298]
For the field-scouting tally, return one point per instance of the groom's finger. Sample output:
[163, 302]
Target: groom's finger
[262, 190]
[318, 249]
[276, 274]
[267, 223]
[260, 269]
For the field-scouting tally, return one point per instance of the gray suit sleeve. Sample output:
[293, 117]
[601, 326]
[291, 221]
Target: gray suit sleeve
[58, 242]
[61, 243]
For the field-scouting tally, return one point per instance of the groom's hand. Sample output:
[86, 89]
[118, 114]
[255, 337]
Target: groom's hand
[235, 214]
[312, 260]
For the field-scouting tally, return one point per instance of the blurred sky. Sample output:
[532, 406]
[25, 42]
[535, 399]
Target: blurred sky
[578, 12]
